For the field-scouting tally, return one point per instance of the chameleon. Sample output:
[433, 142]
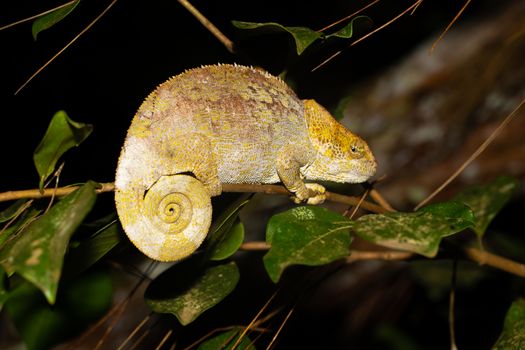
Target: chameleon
[224, 124]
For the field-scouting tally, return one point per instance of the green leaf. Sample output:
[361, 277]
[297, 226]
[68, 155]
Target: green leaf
[230, 243]
[37, 252]
[419, 232]
[226, 340]
[61, 135]
[90, 251]
[513, 335]
[347, 31]
[225, 238]
[52, 18]
[303, 36]
[486, 201]
[187, 289]
[305, 235]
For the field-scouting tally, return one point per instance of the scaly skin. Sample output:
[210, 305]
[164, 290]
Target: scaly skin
[223, 124]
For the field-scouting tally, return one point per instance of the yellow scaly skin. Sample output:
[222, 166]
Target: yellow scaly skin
[223, 124]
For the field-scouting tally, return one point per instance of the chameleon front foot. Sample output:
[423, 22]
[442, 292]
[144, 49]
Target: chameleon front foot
[312, 194]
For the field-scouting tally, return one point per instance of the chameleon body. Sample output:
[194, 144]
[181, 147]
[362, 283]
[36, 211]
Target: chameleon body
[223, 124]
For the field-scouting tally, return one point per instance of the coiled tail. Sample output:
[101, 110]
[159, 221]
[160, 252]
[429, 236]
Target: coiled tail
[166, 221]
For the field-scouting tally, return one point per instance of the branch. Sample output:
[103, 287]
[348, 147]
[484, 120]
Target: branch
[50, 192]
[269, 189]
[357, 255]
[476, 255]
[473, 254]
[496, 261]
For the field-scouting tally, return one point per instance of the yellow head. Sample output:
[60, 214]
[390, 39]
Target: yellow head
[341, 155]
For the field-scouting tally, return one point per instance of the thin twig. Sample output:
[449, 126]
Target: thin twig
[255, 246]
[496, 261]
[56, 176]
[280, 328]
[357, 255]
[254, 320]
[474, 155]
[376, 196]
[411, 8]
[59, 192]
[65, 47]
[450, 25]
[17, 214]
[122, 307]
[349, 16]
[36, 16]
[356, 208]
[208, 25]
[139, 340]
[135, 330]
[164, 339]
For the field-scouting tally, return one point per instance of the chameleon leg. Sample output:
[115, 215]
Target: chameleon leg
[288, 169]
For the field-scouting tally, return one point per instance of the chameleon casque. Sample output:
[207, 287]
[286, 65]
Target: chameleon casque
[223, 124]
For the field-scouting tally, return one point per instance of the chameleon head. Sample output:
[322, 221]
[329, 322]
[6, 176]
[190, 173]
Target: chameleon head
[341, 155]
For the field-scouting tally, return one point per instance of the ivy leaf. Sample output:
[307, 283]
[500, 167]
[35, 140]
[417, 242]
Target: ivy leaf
[226, 340]
[486, 201]
[52, 18]
[513, 335]
[419, 232]
[38, 251]
[305, 235]
[188, 289]
[227, 233]
[303, 36]
[61, 135]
